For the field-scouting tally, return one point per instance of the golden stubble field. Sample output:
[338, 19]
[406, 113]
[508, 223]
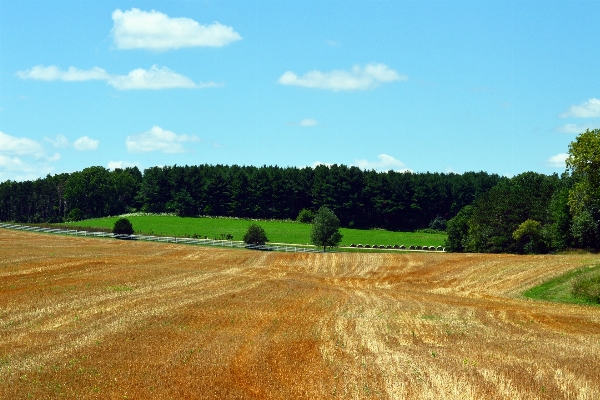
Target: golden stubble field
[107, 319]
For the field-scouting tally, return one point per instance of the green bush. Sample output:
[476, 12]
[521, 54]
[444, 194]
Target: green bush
[255, 235]
[587, 288]
[123, 227]
[75, 215]
[305, 216]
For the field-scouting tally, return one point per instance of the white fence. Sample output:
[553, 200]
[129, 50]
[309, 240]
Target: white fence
[165, 239]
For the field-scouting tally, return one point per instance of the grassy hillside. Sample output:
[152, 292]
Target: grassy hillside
[277, 231]
[559, 289]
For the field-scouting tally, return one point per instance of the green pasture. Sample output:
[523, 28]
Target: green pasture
[277, 231]
[558, 289]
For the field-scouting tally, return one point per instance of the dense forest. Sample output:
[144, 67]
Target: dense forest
[361, 199]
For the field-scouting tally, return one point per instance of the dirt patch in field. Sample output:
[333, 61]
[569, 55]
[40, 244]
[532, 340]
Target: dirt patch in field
[100, 318]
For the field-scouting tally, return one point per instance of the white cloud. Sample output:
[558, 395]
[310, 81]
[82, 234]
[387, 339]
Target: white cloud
[557, 161]
[317, 163]
[12, 145]
[153, 30]
[53, 73]
[154, 78]
[86, 143]
[23, 158]
[588, 109]
[14, 168]
[122, 165]
[575, 128]
[369, 77]
[60, 141]
[309, 122]
[158, 139]
[385, 163]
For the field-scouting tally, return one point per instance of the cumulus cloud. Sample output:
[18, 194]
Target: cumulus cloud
[14, 168]
[359, 78]
[112, 165]
[384, 163]
[588, 109]
[575, 128]
[53, 73]
[23, 158]
[154, 78]
[309, 122]
[86, 143]
[557, 161]
[153, 30]
[12, 145]
[158, 139]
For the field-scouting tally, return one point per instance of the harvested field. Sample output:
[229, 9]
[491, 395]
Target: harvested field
[108, 319]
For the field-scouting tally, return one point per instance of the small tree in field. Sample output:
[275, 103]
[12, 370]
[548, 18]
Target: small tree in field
[325, 231]
[123, 227]
[255, 235]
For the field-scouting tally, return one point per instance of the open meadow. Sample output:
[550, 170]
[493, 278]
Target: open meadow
[109, 319]
[277, 231]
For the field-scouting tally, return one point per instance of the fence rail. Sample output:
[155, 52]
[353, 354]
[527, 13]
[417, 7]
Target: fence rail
[165, 239]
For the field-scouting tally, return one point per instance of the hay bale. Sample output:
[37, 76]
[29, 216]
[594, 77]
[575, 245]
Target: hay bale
[367, 246]
[396, 246]
[402, 247]
[419, 248]
[412, 248]
[440, 248]
[352, 245]
[359, 245]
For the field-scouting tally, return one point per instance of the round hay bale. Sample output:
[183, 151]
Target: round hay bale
[412, 248]
[396, 246]
[352, 245]
[359, 245]
[402, 247]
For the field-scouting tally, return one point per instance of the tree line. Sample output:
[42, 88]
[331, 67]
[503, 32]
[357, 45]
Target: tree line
[359, 198]
[535, 213]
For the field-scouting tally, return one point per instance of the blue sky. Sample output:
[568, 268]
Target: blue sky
[440, 86]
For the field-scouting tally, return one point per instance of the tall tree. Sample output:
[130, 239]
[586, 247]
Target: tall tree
[325, 230]
[584, 197]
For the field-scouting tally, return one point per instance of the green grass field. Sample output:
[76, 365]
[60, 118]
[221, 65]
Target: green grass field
[277, 231]
[559, 289]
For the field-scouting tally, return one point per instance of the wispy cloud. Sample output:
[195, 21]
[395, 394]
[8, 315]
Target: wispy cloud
[53, 73]
[384, 163]
[575, 128]
[122, 165]
[588, 109]
[153, 30]
[85, 143]
[358, 78]
[308, 122]
[557, 161]
[158, 139]
[154, 78]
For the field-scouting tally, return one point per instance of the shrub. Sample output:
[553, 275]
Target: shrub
[123, 227]
[587, 288]
[255, 235]
[305, 216]
[75, 215]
